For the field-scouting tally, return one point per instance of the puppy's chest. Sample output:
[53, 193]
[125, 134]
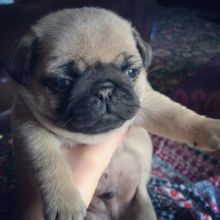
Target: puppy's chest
[116, 187]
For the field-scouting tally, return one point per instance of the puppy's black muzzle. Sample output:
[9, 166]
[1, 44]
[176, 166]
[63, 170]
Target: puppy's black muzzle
[101, 100]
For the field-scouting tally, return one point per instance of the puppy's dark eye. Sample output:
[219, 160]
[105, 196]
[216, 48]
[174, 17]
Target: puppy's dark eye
[58, 84]
[61, 84]
[133, 72]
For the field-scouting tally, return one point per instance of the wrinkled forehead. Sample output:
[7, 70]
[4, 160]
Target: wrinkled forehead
[85, 36]
[91, 46]
[72, 68]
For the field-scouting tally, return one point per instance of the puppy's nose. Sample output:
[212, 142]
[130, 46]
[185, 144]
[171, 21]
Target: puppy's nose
[104, 90]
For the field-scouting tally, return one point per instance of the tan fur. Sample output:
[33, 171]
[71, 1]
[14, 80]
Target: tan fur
[89, 35]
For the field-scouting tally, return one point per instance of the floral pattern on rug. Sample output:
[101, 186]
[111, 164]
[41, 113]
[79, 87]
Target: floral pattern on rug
[187, 188]
[182, 43]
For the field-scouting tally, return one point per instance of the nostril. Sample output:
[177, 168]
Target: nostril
[104, 89]
[104, 93]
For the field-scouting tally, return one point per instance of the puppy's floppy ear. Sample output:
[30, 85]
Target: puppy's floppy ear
[143, 48]
[21, 64]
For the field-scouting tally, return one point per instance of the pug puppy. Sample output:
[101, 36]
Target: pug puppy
[81, 75]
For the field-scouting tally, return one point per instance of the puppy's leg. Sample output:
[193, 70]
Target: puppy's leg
[141, 207]
[61, 199]
[160, 115]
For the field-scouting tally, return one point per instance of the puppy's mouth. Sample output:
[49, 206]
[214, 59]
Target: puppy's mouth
[101, 110]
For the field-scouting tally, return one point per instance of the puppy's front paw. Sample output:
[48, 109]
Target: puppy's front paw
[207, 135]
[64, 206]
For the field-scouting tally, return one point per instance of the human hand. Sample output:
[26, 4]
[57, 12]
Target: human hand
[88, 162]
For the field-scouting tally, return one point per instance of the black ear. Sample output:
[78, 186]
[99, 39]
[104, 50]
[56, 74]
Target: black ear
[144, 49]
[20, 65]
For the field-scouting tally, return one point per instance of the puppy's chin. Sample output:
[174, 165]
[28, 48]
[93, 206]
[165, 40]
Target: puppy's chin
[90, 115]
[107, 123]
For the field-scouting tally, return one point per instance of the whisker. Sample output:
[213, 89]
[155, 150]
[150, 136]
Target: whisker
[143, 107]
[65, 123]
[146, 109]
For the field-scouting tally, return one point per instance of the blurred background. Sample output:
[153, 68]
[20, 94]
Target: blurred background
[185, 37]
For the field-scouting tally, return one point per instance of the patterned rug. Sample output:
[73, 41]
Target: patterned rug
[182, 43]
[185, 182]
